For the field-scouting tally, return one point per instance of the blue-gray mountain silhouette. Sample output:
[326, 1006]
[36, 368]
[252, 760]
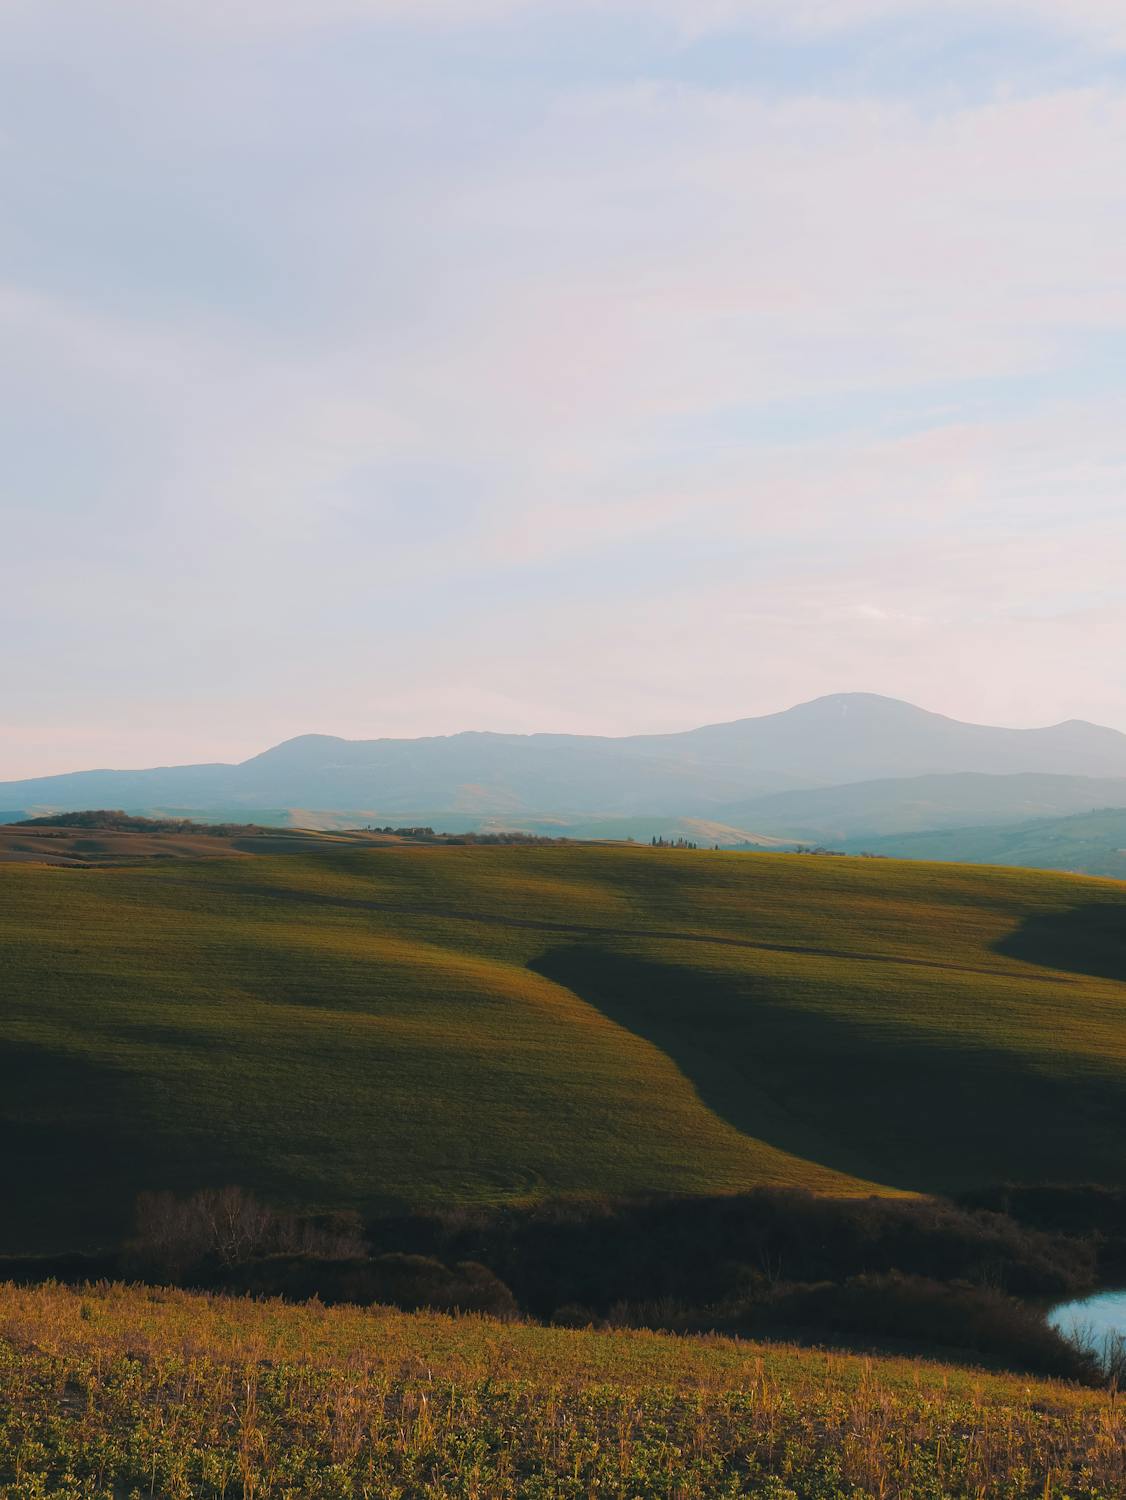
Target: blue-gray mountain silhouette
[718, 770]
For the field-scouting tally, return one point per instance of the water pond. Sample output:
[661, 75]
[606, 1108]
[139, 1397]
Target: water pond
[1097, 1323]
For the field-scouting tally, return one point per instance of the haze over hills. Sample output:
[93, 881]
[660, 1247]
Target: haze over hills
[718, 772]
[1093, 843]
[911, 804]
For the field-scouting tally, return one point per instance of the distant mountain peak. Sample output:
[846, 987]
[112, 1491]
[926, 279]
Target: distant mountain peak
[839, 738]
[300, 745]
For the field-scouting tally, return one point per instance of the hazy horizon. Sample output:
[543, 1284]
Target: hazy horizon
[377, 369]
[490, 729]
[255, 748]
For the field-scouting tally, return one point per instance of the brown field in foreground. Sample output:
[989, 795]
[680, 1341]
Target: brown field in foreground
[111, 1391]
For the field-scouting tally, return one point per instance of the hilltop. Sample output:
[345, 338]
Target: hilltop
[383, 1027]
[83, 839]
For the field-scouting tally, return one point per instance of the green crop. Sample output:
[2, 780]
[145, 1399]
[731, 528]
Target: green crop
[428, 1025]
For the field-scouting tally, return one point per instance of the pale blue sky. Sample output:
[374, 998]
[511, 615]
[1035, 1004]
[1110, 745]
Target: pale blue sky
[372, 367]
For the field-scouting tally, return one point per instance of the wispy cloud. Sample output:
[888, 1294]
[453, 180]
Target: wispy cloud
[347, 387]
[1100, 18]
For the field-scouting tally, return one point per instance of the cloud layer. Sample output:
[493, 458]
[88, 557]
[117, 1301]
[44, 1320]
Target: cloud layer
[379, 369]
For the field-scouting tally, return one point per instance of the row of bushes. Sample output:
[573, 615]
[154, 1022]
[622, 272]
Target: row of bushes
[114, 820]
[392, 1280]
[705, 1250]
[915, 1274]
[225, 1238]
[894, 1312]
[1088, 1211]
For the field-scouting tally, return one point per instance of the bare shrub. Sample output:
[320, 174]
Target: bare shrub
[227, 1227]
[1107, 1351]
[1114, 1360]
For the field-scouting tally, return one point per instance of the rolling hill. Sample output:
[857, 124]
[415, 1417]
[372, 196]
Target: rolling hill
[917, 804]
[701, 773]
[410, 1025]
[1093, 842]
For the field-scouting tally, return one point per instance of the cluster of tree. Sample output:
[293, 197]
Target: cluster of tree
[510, 837]
[658, 842]
[412, 831]
[837, 853]
[114, 820]
[428, 836]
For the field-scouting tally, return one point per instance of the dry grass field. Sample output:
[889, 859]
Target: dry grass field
[108, 1392]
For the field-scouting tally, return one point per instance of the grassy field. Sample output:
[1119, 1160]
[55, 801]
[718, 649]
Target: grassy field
[108, 1392]
[420, 1025]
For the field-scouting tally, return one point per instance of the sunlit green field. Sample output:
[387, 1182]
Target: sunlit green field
[423, 1025]
[107, 1392]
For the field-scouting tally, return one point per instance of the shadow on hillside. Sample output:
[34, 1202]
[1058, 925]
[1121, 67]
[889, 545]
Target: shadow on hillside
[1088, 939]
[864, 1098]
[80, 1139]
[72, 1149]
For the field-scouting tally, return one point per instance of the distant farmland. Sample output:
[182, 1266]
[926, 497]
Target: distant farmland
[402, 1026]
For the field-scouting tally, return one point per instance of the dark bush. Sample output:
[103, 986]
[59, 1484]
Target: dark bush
[71, 1269]
[916, 1313]
[396, 1280]
[114, 820]
[703, 1251]
[1087, 1211]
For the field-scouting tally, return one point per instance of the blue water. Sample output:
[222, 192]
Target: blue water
[1094, 1322]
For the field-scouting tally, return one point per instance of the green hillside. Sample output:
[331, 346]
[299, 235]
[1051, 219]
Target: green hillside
[413, 1025]
[1091, 842]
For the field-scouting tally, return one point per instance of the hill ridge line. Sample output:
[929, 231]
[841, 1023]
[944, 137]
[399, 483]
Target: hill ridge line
[532, 924]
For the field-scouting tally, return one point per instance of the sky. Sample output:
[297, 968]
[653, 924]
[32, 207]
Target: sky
[398, 367]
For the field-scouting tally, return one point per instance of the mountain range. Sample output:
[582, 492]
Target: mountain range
[837, 768]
